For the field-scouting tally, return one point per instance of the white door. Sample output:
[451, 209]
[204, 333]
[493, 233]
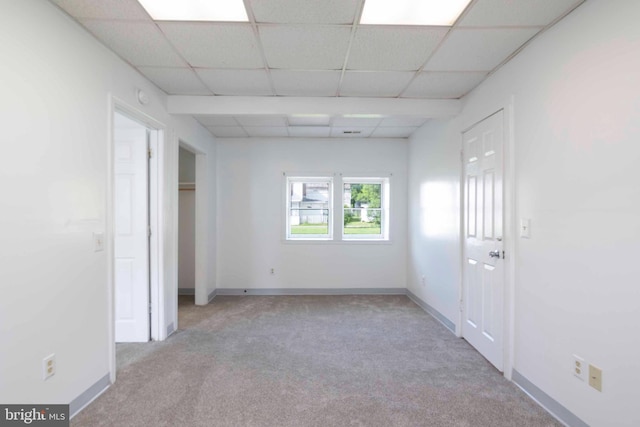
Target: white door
[131, 229]
[483, 271]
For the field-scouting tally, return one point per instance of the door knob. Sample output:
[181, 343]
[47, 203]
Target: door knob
[494, 254]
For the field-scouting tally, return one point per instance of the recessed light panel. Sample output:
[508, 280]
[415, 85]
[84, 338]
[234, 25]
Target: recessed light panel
[412, 12]
[196, 10]
[362, 116]
[309, 120]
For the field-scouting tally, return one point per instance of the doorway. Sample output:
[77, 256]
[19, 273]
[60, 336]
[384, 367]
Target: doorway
[187, 192]
[136, 277]
[483, 269]
[194, 268]
[135, 248]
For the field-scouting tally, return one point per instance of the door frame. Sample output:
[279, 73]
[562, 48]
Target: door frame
[509, 227]
[158, 141]
[201, 253]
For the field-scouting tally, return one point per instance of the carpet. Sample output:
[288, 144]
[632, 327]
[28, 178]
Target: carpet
[309, 361]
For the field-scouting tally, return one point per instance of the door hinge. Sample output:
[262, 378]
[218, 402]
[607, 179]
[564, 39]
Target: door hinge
[150, 307]
[461, 306]
[150, 153]
[149, 232]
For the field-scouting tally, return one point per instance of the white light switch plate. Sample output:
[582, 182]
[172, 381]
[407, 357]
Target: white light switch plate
[525, 228]
[98, 242]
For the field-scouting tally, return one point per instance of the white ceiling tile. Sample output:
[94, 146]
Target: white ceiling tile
[104, 9]
[305, 83]
[214, 121]
[263, 131]
[351, 132]
[478, 49]
[310, 131]
[304, 12]
[392, 48]
[236, 82]
[443, 84]
[342, 121]
[214, 45]
[305, 47]
[227, 131]
[262, 121]
[402, 121]
[176, 81]
[140, 43]
[492, 13]
[393, 132]
[374, 83]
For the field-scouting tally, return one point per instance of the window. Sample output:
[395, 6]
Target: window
[309, 208]
[360, 207]
[365, 205]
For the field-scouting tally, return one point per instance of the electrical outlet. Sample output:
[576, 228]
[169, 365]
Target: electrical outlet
[595, 377]
[273, 271]
[48, 366]
[579, 368]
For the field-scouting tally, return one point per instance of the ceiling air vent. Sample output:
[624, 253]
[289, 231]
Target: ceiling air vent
[351, 132]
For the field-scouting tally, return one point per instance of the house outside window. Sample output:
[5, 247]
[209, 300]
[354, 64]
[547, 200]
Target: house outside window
[309, 208]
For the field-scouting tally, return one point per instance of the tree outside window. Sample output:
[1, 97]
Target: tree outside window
[362, 209]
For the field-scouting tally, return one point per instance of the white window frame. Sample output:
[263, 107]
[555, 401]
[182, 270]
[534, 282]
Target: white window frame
[384, 208]
[331, 216]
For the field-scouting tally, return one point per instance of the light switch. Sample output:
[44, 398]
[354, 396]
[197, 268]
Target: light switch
[98, 242]
[525, 228]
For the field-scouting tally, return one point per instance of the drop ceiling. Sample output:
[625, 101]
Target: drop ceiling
[316, 49]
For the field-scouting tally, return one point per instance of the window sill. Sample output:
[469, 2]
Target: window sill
[337, 242]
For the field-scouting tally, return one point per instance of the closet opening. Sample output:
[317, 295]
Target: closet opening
[187, 191]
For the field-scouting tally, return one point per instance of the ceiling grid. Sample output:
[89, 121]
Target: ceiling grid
[317, 50]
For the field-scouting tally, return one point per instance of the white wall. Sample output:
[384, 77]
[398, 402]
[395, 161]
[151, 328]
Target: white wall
[576, 93]
[56, 80]
[434, 217]
[251, 213]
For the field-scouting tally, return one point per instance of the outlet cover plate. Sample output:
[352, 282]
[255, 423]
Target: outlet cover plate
[48, 366]
[579, 368]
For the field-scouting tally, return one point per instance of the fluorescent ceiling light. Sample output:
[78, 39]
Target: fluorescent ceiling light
[412, 12]
[362, 116]
[196, 10]
[309, 120]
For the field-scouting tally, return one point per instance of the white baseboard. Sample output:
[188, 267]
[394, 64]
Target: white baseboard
[432, 311]
[552, 406]
[312, 291]
[89, 395]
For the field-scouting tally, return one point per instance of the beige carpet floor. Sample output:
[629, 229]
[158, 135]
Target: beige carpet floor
[309, 361]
